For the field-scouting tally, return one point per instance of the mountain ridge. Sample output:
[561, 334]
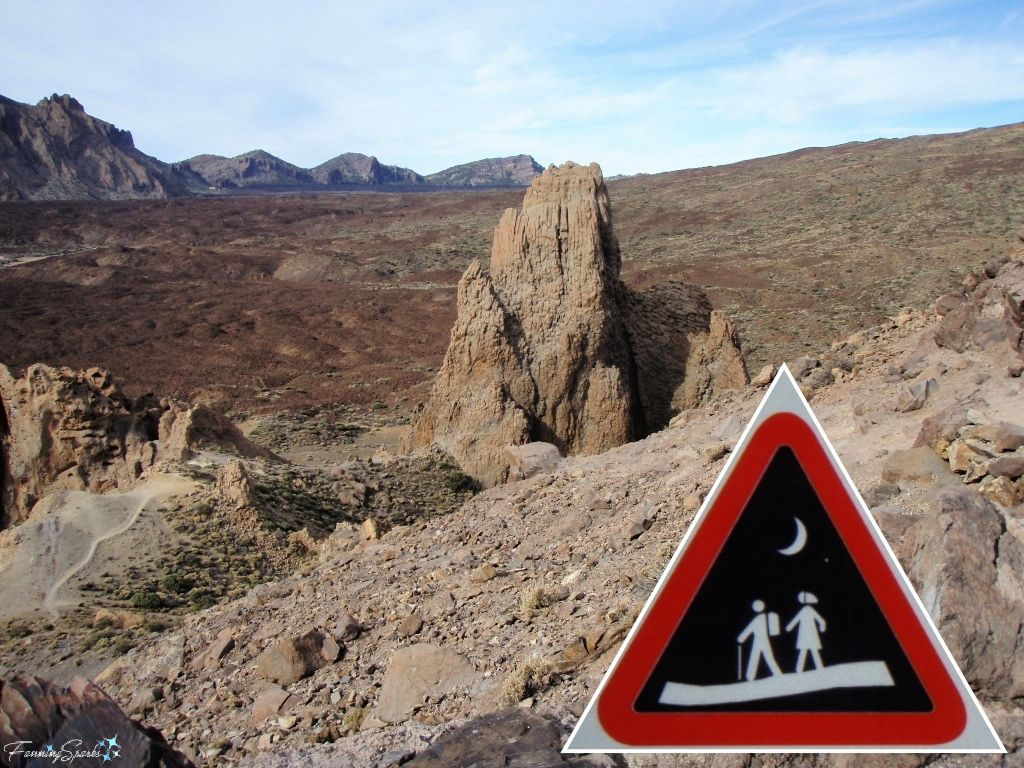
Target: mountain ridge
[55, 150]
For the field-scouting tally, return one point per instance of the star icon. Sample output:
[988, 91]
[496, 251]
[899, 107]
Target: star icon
[49, 747]
[111, 743]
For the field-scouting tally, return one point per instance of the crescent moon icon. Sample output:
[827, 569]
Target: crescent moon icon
[799, 541]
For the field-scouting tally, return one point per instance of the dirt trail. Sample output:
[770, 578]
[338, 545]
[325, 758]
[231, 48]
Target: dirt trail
[42, 557]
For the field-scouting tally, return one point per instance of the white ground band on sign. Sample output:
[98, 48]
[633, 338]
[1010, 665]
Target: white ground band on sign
[858, 674]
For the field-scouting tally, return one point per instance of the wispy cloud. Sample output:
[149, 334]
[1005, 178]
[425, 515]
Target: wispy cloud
[646, 88]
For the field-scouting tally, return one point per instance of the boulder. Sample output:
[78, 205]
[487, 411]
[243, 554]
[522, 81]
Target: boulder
[940, 429]
[288, 661]
[968, 569]
[218, 649]
[515, 738]
[43, 714]
[347, 628]
[913, 397]
[531, 459]
[418, 671]
[914, 464]
[1009, 465]
[268, 703]
[1001, 490]
[764, 377]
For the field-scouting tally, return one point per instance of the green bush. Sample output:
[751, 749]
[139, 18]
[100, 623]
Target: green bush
[457, 481]
[147, 600]
[176, 583]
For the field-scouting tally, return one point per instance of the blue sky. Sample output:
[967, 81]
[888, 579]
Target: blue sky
[652, 87]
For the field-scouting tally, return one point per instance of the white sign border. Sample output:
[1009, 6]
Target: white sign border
[784, 396]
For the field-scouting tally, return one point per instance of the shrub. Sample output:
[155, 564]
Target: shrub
[176, 583]
[457, 481]
[528, 676]
[148, 600]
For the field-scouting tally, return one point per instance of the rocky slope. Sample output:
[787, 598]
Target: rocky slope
[388, 648]
[548, 345]
[354, 168]
[514, 171]
[55, 151]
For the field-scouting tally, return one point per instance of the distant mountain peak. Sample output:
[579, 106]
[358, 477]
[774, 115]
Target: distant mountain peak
[512, 171]
[257, 167]
[55, 150]
[356, 168]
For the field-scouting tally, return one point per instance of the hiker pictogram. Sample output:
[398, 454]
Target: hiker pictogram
[760, 630]
[784, 670]
[783, 621]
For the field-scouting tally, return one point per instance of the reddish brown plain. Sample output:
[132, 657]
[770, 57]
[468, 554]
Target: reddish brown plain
[270, 302]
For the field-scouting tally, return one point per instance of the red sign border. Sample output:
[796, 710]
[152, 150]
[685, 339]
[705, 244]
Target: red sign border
[944, 723]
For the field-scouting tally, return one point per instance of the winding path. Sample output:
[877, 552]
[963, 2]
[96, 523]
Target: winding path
[156, 488]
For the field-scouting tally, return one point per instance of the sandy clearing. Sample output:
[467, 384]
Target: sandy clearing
[61, 539]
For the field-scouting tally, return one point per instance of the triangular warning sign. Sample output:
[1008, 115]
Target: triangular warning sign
[783, 622]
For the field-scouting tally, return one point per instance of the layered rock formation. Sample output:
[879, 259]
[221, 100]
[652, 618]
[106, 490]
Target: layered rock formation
[69, 429]
[78, 430]
[515, 171]
[546, 347]
[55, 150]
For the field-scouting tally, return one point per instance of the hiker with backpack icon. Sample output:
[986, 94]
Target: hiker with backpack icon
[760, 630]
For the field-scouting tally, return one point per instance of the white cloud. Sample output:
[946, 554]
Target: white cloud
[645, 88]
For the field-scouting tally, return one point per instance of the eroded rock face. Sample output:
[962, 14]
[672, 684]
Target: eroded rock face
[54, 150]
[36, 715]
[550, 346]
[77, 430]
[961, 550]
[185, 429]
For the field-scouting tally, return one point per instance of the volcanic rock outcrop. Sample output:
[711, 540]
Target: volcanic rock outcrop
[550, 345]
[56, 723]
[78, 430]
[55, 150]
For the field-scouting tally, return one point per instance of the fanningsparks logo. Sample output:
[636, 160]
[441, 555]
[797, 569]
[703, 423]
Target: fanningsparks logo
[105, 750]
